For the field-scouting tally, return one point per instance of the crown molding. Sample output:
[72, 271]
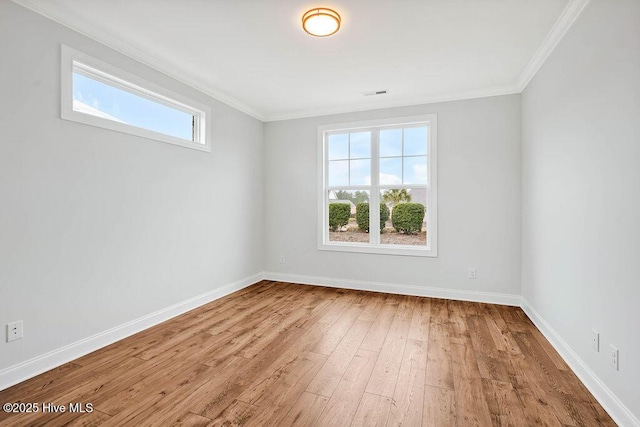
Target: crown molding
[562, 25]
[70, 20]
[428, 99]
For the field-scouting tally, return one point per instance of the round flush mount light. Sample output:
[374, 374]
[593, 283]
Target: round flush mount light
[321, 22]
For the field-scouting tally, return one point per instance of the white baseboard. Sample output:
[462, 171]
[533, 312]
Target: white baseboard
[609, 401]
[392, 288]
[30, 368]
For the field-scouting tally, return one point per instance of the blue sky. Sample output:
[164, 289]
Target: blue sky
[132, 109]
[400, 163]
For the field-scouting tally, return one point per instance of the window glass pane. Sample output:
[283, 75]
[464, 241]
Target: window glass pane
[360, 145]
[415, 141]
[338, 146]
[391, 142]
[338, 173]
[391, 171]
[407, 223]
[360, 172]
[341, 214]
[416, 170]
[108, 102]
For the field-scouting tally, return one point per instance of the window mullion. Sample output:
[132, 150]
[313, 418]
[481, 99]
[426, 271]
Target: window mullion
[402, 159]
[325, 216]
[374, 197]
[427, 216]
[349, 158]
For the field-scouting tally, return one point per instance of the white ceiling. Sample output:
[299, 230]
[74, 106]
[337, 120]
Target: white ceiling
[254, 55]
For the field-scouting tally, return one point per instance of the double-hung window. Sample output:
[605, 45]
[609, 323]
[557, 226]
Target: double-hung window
[390, 164]
[99, 94]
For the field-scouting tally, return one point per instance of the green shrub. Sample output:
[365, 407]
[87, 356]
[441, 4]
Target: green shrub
[362, 215]
[338, 215]
[408, 217]
[384, 215]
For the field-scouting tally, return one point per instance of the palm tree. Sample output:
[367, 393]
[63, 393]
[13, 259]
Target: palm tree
[395, 196]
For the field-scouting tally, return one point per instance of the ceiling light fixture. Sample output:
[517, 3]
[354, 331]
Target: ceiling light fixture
[321, 22]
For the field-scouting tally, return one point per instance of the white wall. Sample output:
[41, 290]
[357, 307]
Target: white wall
[581, 191]
[478, 205]
[98, 228]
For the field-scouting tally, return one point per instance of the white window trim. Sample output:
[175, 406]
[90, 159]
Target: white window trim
[109, 74]
[374, 199]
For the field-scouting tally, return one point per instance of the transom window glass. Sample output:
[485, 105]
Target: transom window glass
[92, 96]
[99, 94]
[388, 165]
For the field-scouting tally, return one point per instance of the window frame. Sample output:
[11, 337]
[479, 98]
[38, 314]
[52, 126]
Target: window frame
[374, 246]
[73, 60]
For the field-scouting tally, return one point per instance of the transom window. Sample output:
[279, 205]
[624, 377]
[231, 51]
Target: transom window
[390, 164]
[98, 94]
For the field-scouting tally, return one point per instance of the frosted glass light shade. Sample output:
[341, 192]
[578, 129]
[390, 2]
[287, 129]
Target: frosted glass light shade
[321, 22]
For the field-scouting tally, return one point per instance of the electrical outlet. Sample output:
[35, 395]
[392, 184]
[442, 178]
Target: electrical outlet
[472, 273]
[614, 356]
[595, 340]
[281, 259]
[14, 331]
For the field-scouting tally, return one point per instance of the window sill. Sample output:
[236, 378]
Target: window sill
[86, 119]
[396, 250]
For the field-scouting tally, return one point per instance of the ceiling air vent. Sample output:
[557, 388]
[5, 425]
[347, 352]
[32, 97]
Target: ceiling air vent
[374, 93]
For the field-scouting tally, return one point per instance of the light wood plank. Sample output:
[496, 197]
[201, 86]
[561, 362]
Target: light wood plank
[252, 358]
[236, 414]
[189, 420]
[420, 320]
[504, 404]
[332, 338]
[380, 327]
[385, 374]
[343, 404]
[471, 405]
[439, 366]
[439, 407]
[306, 411]
[329, 376]
[373, 411]
[282, 395]
[409, 391]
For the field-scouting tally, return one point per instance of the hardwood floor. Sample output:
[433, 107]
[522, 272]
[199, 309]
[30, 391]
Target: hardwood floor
[280, 354]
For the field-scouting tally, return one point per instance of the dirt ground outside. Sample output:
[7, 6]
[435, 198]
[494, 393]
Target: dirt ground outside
[389, 235]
